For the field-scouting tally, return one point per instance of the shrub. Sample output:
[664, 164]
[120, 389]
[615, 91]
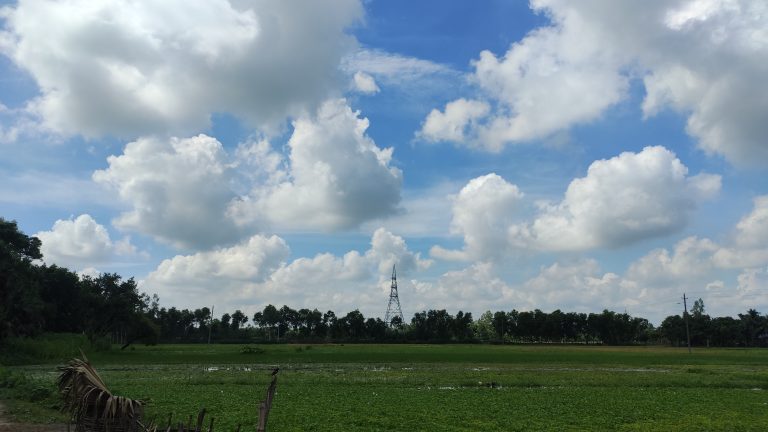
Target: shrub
[251, 350]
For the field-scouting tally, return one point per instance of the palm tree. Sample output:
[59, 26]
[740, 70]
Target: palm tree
[91, 405]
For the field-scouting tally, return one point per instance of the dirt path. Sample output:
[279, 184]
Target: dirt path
[7, 426]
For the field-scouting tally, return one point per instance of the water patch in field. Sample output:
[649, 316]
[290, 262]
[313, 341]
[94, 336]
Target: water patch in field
[588, 369]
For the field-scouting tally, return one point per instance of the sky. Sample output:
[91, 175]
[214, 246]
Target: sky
[550, 154]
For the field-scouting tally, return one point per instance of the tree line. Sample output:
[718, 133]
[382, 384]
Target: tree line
[37, 298]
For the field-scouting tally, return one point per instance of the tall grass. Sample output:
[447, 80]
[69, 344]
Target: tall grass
[46, 348]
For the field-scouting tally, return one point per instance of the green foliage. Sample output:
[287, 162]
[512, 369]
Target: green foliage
[251, 350]
[45, 348]
[11, 378]
[17, 385]
[449, 387]
[13, 241]
[38, 298]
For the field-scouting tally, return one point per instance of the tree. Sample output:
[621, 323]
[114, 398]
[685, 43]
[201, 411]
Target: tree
[21, 308]
[115, 306]
[18, 244]
[753, 328]
[396, 322]
[439, 325]
[419, 326]
[238, 319]
[698, 308]
[553, 328]
[314, 323]
[725, 331]
[288, 317]
[271, 316]
[500, 324]
[483, 327]
[699, 324]
[376, 329]
[226, 319]
[673, 329]
[202, 316]
[355, 324]
[462, 326]
[64, 308]
[529, 324]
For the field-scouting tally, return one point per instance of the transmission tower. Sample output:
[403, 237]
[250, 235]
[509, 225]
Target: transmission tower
[393, 308]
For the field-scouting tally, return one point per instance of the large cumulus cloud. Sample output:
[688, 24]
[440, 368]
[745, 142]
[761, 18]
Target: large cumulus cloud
[193, 193]
[178, 190]
[133, 68]
[336, 177]
[257, 271]
[80, 243]
[702, 58]
[622, 200]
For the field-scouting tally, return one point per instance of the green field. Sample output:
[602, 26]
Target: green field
[447, 387]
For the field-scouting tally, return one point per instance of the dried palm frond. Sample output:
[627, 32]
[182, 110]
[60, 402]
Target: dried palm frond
[90, 403]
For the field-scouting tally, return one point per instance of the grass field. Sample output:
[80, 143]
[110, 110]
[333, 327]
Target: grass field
[447, 387]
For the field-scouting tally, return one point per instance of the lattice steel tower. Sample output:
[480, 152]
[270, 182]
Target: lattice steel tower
[393, 308]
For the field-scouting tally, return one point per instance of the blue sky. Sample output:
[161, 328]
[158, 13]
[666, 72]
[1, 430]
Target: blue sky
[580, 156]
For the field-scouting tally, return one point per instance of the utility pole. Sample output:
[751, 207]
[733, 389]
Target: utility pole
[685, 316]
[210, 325]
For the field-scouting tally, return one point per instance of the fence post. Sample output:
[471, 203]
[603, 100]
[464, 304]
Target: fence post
[266, 405]
[262, 417]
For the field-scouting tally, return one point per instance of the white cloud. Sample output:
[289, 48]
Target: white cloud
[582, 286]
[622, 200]
[696, 263]
[628, 198]
[749, 246]
[337, 177]
[91, 272]
[753, 282]
[190, 193]
[651, 287]
[577, 286]
[702, 58]
[690, 260]
[753, 228]
[18, 124]
[131, 69]
[251, 261]
[407, 82]
[388, 250]
[393, 68]
[365, 83]
[178, 189]
[253, 274]
[482, 213]
[555, 77]
[475, 288]
[574, 286]
[81, 242]
[452, 124]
